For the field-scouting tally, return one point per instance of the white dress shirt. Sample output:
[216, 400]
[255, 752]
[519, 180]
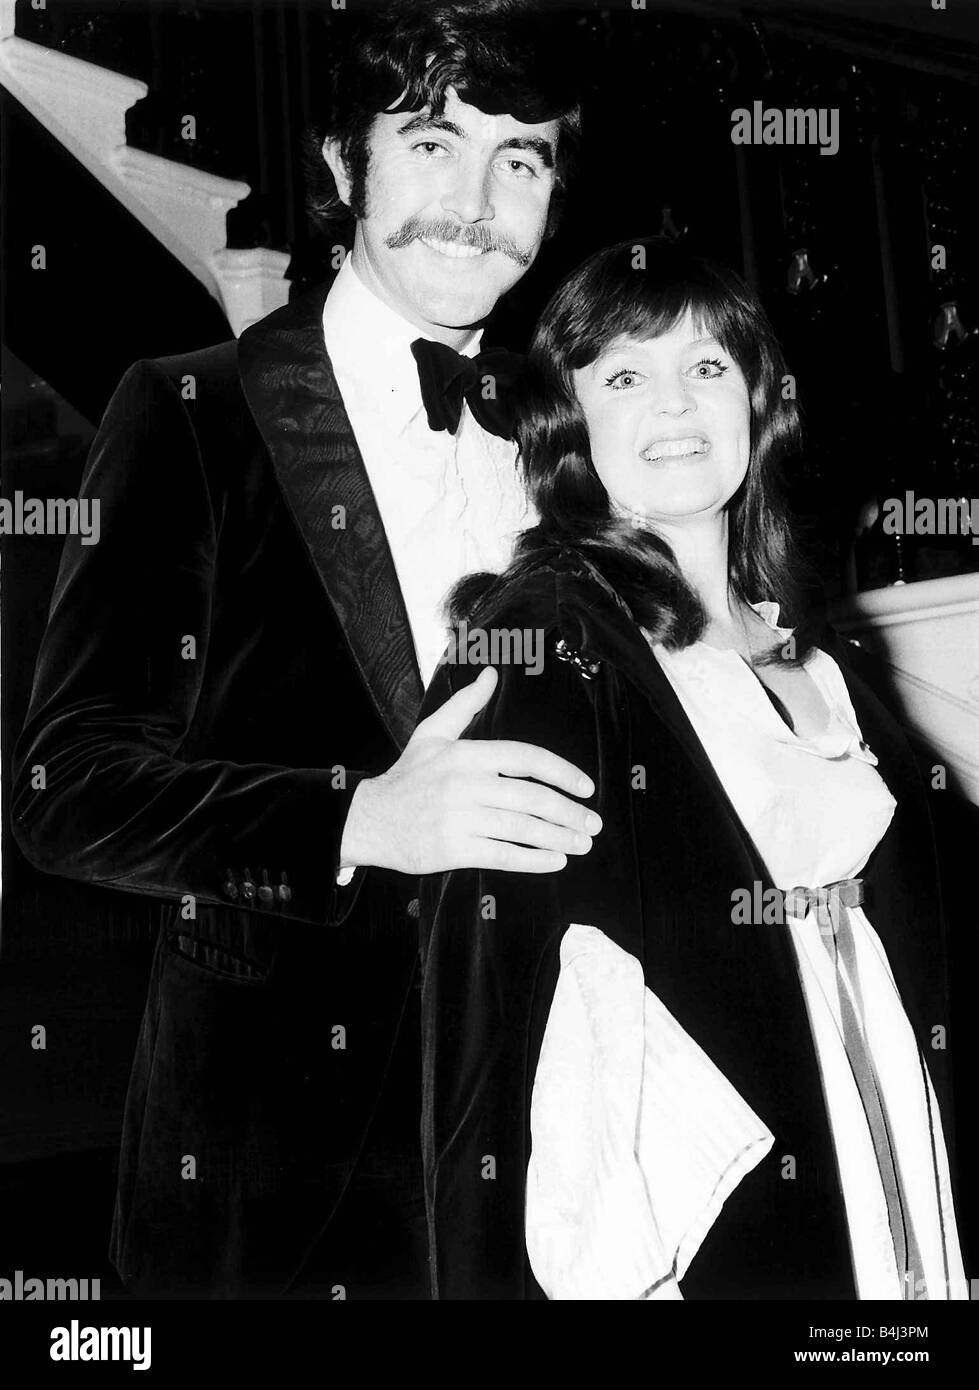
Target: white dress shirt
[450, 504]
[637, 1136]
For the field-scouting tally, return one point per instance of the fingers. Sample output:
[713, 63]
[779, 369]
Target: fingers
[495, 854]
[527, 760]
[532, 799]
[516, 828]
[452, 718]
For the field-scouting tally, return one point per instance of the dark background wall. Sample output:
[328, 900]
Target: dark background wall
[888, 398]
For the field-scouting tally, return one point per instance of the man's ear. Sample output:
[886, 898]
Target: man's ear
[331, 153]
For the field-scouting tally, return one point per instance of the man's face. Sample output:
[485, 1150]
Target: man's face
[455, 211]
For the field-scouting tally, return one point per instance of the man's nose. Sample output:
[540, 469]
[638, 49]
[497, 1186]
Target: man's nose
[468, 196]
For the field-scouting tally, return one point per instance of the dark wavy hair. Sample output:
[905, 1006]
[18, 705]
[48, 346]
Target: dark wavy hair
[641, 289]
[501, 56]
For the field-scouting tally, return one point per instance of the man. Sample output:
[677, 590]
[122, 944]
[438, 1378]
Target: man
[224, 706]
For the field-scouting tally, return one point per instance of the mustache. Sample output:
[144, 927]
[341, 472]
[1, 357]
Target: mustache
[479, 237]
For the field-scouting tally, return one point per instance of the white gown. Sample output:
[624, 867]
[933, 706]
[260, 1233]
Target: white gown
[637, 1137]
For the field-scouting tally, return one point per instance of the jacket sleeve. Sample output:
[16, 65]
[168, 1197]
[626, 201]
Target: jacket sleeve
[100, 790]
[490, 946]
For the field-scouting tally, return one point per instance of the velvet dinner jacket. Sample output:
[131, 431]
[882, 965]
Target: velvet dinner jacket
[658, 881]
[217, 674]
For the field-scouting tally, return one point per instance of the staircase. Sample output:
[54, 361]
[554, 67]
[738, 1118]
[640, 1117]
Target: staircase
[84, 107]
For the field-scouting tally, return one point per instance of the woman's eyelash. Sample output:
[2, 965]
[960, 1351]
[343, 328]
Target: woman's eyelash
[632, 371]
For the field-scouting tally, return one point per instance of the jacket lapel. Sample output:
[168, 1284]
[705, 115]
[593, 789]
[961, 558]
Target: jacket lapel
[292, 393]
[610, 633]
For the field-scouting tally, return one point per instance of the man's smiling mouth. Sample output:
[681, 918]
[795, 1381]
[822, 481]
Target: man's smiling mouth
[454, 249]
[686, 447]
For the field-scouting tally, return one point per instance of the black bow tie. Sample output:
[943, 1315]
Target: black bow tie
[485, 382]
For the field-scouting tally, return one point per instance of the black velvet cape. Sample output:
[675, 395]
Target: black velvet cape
[658, 881]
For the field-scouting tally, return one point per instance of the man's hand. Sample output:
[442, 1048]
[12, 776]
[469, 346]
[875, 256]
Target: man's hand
[451, 803]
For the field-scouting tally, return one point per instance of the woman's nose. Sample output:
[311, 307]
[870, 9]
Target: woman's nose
[671, 395]
[468, 194]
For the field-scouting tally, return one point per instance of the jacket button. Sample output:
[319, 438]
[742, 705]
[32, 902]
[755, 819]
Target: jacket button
[414, 908]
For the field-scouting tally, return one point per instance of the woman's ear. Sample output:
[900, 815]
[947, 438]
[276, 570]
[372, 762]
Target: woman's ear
[332, 156]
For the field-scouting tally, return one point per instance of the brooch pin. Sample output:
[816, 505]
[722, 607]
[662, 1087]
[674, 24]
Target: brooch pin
[587, 668]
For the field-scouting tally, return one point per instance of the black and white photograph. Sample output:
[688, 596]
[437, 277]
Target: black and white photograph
[489, 651]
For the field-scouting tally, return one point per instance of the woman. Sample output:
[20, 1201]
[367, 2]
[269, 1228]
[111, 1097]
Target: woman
[682, 1066]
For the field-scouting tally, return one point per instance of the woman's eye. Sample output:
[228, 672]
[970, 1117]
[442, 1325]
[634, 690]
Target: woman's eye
[623, 380]
[708, 368]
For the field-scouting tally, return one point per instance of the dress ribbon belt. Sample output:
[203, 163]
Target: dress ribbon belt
[830, 903]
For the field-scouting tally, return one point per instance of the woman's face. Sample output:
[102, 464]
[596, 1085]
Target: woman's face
[669, 423]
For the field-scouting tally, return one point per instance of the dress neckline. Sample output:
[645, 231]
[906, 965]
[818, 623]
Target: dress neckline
[838, 738]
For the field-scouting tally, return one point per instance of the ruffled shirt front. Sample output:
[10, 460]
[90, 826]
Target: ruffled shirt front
[450, 504]
[637, 1136]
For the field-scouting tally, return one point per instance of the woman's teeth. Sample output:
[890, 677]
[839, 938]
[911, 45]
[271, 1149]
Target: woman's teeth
[452, 248]
[675, 448]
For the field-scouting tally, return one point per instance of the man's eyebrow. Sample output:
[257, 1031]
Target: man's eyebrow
[541, 147]
[535, 143]
[425, 122]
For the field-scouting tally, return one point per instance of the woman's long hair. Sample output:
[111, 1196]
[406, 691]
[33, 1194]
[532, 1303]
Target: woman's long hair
[640, 290]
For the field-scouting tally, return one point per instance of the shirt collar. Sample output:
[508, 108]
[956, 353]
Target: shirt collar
[769, 610]
[369, 345]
